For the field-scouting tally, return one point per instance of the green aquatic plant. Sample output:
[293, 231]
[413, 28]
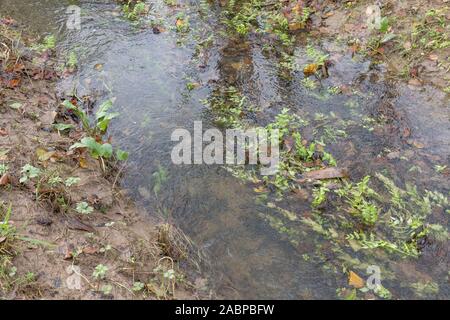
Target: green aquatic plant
[133, 10]
[356, 196]
[319, 196]
[159, 179]
[72, 61]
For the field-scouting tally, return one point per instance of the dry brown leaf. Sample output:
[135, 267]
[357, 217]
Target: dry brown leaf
[5, 180]
[294, 26]
[90, 250]
[415, 82]
[323, 174]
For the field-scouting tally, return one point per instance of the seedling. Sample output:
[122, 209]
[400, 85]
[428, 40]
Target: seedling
[100, 272]
[84, 208]
[29, 172]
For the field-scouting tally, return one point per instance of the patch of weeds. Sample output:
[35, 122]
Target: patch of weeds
[356, 196]
[48, 43]
[319, 58]
[165, 279]
[430, 33]
[319, 196]
[334, 90]
[309, 83]
[182, 24]
[72, 61]
[229, 107]
[424, 289]
[134, 9]
[98, 149]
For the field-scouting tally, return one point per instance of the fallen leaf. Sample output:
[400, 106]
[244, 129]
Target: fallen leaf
[44, 155]
[323, 174]
[98, 67]
[415, 143]
[83, 163]
[355, 281]
[433, 57]
[294, 26]
[49, 117]
[310, 69]
[5, 180]
[415, 82]
[75, 224]
[13, 83]
[90, 250]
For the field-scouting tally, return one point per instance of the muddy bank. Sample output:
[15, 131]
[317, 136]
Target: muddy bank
[67, 232]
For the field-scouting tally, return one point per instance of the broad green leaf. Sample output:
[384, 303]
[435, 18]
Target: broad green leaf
[103, 109]
[106, 150]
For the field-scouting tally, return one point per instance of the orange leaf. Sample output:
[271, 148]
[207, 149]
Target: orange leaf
[310, 69]
[14, 83]
[355, 281]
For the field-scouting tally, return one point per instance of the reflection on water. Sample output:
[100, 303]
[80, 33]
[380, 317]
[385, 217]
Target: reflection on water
[147, 73]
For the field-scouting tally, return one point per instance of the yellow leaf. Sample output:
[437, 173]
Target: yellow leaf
[294, 26]
[310, 69]
[261, 189]
[180, 23]
[83, 163]
[44, 155]
[355, 281]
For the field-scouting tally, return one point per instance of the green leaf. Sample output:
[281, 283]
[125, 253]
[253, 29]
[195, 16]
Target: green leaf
[103, 109]
[79, 113]
[122, 155]
[384, 25]
[103, 122]
[106, 150]
[63, 126]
